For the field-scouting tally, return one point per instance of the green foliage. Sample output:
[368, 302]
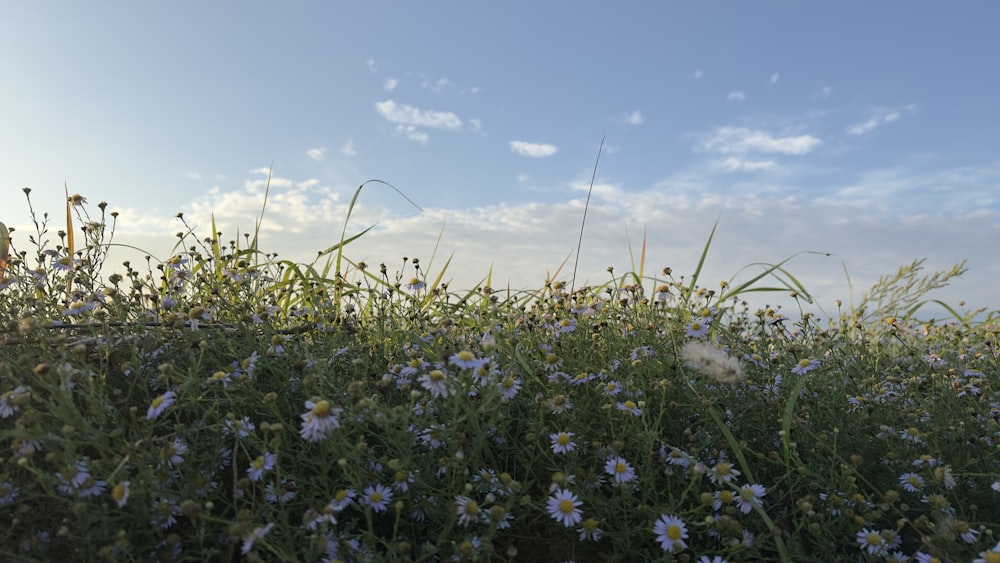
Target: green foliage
[222, 405]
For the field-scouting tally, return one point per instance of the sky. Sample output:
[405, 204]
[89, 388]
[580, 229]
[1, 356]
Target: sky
[848, 136]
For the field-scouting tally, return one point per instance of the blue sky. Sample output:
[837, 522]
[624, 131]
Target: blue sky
[866, 130]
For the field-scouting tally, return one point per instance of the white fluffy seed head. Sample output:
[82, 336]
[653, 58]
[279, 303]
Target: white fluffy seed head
[713, 362]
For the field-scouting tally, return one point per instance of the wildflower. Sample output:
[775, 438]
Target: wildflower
[284, 492]
[925, 460]
[468, 511]
[11, 401]
[720, 498]
[500, 517]
[342, 499]
[401, 480]
[722, 472]
[421, 507]
[670, 532]
[467, 360]
[911, 434]
[967, 532]
[159, 404]
[77, 200]
[995, 486]
[79, 307]
[713, 362]
[696, 329]
[509, 388]
[165, 511]
[415, 284]
[565, 508]
[871, 541]
[562, 442]
[911, 482]
[241, 428]
[256, 534]
[943, 474]
[433, 436]
[260, 465]
[620, 469]
[8, 493]
[120, 493]
[565, 326]
[319, 421]
[805, 366]
[173, 453]
[377, 497]
[560, 404]
[749, 497]
[436, 382]
[589, 530]
[612, 388]
[629, 407]
[991, 556]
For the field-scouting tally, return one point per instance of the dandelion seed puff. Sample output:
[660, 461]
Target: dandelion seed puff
[713, 362]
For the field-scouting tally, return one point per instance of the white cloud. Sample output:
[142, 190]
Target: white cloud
[303, 217]
[316, 154]
[413, 134]
[408, 115]
[862, 128]
[775, 77]
[737, 96]
[437, 86]
[634, 118]
[534, 150]
[697, 74]
[879, 117]
[390, 84]
[348, 148]
[733, 164]
[739, 140]
[193, 175]
[475, 125]
[371, 65]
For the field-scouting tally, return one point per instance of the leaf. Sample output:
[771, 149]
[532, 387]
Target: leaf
[69, 236]
[4, 247]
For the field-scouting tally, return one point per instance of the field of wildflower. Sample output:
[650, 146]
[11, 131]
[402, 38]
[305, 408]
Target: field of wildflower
[221, 404]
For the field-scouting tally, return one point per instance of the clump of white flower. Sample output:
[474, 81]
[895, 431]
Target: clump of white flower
[713, 362]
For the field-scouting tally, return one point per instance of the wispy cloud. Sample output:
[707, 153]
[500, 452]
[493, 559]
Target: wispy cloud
[348, 149]
[437, 86]
[739, 140]
[316, 153]
[409, 120]
[634, 118]
[737, 96]
[697, 74]
[774, 78]
[534, 150]
[193, 175]
[879, 117]
[733, 164]
[390, 84]
[304, 216]
[408, 115]
[371, 65]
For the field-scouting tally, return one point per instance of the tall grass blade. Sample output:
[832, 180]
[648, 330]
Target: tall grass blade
[583, 223]
[70, 248]
[5, 247]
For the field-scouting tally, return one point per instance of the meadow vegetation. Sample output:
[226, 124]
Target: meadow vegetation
[224, 404]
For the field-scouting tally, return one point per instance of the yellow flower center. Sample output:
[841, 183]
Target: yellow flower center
[156, 402]
[562, 439]
[472, 508]
[674, 532]
[118, 492]
[376, 497]
[566, 506]
[322, 409]
[874, 538]
[436, 375]
[466, 356]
